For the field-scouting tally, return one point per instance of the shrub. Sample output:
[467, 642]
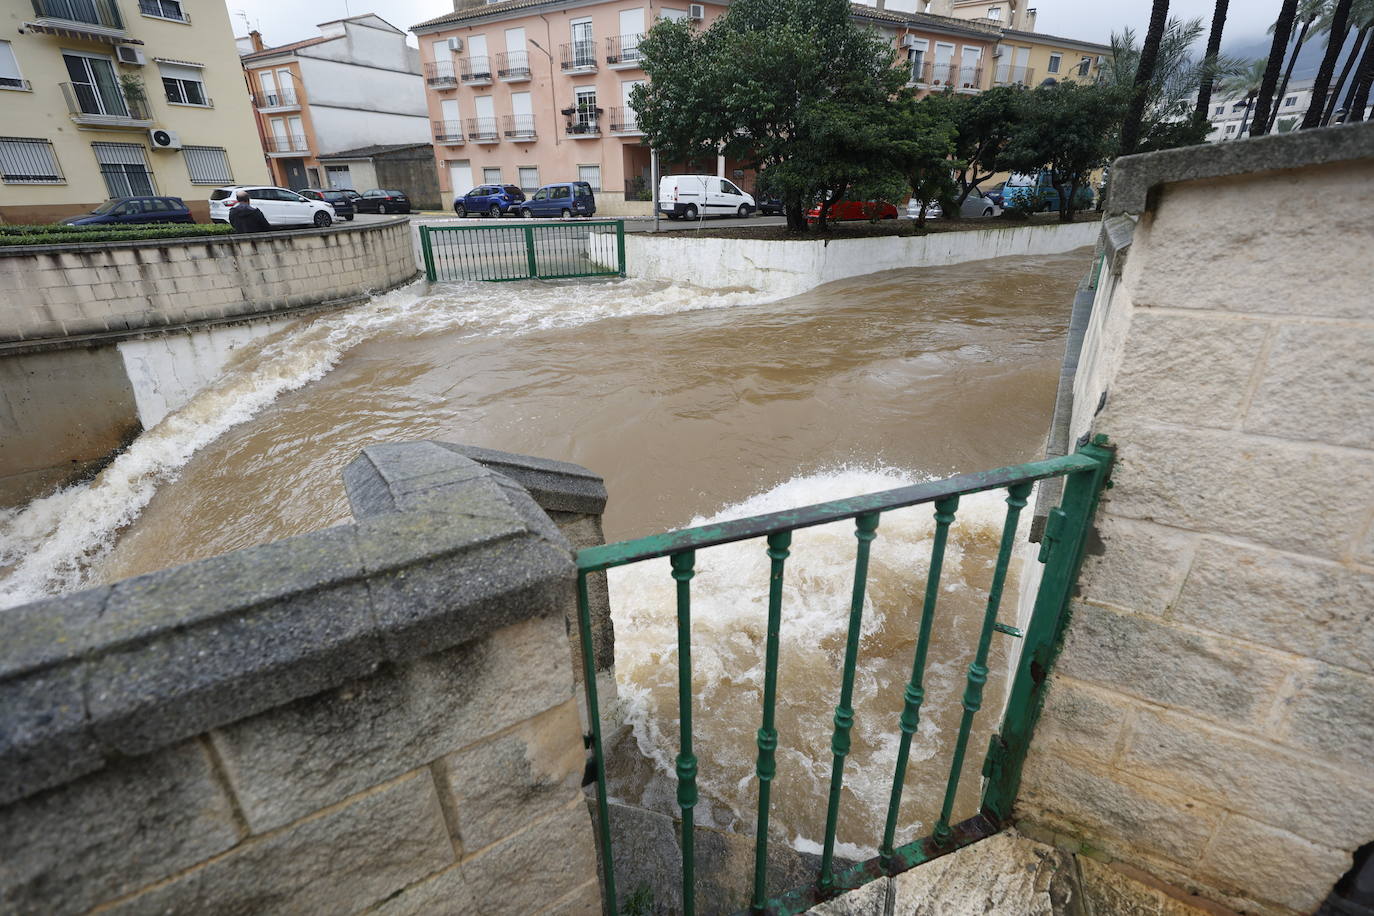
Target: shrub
[68, 235]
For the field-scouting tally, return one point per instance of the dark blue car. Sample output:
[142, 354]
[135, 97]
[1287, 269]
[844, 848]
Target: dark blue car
[492, 200]
[566, 198]
[341, 201]
[129, 211]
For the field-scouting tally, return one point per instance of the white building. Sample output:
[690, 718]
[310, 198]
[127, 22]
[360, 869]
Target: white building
[1230, 115]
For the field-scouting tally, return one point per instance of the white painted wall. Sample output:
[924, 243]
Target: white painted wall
[346, 85]
[339, 129]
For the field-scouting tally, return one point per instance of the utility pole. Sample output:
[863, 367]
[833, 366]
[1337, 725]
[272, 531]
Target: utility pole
[653, 181]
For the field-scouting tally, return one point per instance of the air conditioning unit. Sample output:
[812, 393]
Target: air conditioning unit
[909, 41]
[455, 44]
[696, 11]
[128, 54]
[997, 51]
[164, 139]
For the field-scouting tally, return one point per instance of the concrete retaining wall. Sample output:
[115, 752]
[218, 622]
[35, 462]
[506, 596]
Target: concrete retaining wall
[1211, 719]
[792, 267]
[375, 717]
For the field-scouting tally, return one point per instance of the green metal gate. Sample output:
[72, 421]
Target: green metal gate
[1061, 552]
[524, 251]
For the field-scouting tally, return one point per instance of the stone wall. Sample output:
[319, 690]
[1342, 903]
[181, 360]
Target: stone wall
[1211, 718]
[377, 717]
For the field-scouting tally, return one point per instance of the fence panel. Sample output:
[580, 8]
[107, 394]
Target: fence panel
[511, 250]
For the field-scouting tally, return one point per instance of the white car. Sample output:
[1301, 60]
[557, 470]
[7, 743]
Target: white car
[280, 206]
[975, 205]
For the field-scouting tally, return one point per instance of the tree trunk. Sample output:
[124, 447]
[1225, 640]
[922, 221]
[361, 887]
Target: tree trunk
[1209, 62]
[1335, 39]
[1067, 206]
[1345, 74]
[1245, 118]
[796, 215]
[1364, 77]
[1287, 75]
[1283, 29]
[1144, 75]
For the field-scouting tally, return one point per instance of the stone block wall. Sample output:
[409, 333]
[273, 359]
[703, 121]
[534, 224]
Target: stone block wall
[50, 294]
[1211, 717]
[377, 717]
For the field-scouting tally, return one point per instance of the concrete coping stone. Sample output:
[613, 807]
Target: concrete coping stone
[1133, 178]
[12, 251]
[443, 551]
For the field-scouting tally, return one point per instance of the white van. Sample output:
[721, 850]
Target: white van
[696, 196]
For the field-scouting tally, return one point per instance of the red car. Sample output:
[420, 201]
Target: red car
[853, 209]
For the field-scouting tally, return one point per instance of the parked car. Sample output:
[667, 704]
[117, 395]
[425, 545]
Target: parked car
[771, 206]
[280, 206]
[338, 199]
[974, 206]
[494, 200]
[994, 193]
[380, 200]
[1039, 189]
[565, 199]
[125, 211]
[695, 196]
[854, 209]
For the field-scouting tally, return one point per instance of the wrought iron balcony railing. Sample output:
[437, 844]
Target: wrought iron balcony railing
[518, 127]
[579, 55]
[623, 50]
[450, 132]
[475, 71]
[282, 98]
[483, 130]
[513, 66]
[103, 13]
[291, 143]
[1009, 75]
[941, 76]
[441, 75]
[624, 121]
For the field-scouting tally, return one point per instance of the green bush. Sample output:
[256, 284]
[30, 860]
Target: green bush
[67, 235]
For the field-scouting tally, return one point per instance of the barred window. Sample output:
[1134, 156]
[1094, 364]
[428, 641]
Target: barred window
[207, 164]
[529, 177]
[591, 174]
[124, 167]
[28, 161]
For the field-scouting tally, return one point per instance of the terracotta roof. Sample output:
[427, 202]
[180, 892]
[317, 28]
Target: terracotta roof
[479, 11]
[286, 49]
[1057, 39]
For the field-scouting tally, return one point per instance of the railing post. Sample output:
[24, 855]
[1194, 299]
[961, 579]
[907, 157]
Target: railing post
[778, 548]
[620, 245]
[603, 814]
[1061, 550]
[682, 564]
[529, 253]
[427, 253]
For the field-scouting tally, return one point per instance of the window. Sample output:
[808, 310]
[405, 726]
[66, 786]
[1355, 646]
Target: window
[94, 86]
[28, 161]
[916, 58]
[1054, 63]
[585, 97]
[673, 15]
[994, 12]
[1221, 110]
[491, 175]
[1290, 101]
[125, 168]
[1084, 66]
[529, 176]
[163, 9]
[583, 45]
[728, 188]
[9, 69]
[591, 174]
[207, 165]
[183, 84]
[563, 192]
[1230, 128]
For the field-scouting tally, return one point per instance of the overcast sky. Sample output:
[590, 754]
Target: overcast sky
[1090, 20]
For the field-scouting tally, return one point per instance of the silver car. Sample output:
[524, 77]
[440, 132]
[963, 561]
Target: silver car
[974, 206]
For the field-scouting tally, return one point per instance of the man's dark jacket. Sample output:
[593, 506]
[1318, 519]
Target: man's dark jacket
[247, 218]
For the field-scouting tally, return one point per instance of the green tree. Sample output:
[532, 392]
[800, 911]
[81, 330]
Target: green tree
[794, 87]
[1307, 12]
[927, 145]
[1144, 75]
[982, 124]
[1068, 129]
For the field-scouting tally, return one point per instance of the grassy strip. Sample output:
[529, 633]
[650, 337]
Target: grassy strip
[64, 235]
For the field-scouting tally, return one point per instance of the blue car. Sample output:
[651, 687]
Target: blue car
[132, 211]
[494, 200]
[1038, 190]
[566, 198]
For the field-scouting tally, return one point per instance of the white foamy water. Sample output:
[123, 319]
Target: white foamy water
[729, 629]
[49, 545]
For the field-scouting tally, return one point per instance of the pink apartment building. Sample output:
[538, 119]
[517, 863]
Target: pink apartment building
[529, 92]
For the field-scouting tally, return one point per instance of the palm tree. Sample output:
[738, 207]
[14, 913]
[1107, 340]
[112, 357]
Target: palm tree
[1361, 18]
[1144, 73]
[1209, 62]
[1245, 83]
[1364, 77]
[1309, 11]
[1334, 40]
[1283, 27]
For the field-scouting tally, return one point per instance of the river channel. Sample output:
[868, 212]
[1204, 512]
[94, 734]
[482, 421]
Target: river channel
[694, 406]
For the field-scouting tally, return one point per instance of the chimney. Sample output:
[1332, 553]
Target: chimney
[256, 38]
[881, 4]
[1030, 20]
[460, 5]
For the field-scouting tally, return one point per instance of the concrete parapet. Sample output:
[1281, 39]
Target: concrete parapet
[376, 714]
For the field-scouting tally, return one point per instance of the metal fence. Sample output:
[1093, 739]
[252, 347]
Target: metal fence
[524, 251]
[1085, 474]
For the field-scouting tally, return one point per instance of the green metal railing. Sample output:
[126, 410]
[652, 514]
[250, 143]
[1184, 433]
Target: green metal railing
[512, 250]
[1061, 551]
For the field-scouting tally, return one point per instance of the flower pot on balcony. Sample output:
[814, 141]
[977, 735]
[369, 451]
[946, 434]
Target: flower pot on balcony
[569, 112]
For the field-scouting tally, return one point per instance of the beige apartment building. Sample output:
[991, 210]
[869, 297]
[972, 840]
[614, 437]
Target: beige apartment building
[528, 93]
[108, 98]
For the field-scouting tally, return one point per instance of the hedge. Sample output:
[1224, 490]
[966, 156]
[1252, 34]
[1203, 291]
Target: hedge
[65, 235]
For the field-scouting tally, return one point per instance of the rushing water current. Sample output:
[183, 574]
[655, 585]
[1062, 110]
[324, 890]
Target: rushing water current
[694, 406]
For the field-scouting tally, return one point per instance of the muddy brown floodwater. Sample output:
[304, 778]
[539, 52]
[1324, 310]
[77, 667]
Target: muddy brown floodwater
[692, 406]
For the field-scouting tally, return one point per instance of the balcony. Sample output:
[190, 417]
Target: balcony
[513, 66]
[625, 123]
[578, 56]
[164, 9]
[441, 75]
[91, 106]
[519, 128]
[292, 144]
[585, 126]
[280, 100]
[475, 71]
[449, 133]
[947, 76]
[100, 14]
[1008, 75]
[622, 52]
[483, 130]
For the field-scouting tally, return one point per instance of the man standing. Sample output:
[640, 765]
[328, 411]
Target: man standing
[245, 217]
